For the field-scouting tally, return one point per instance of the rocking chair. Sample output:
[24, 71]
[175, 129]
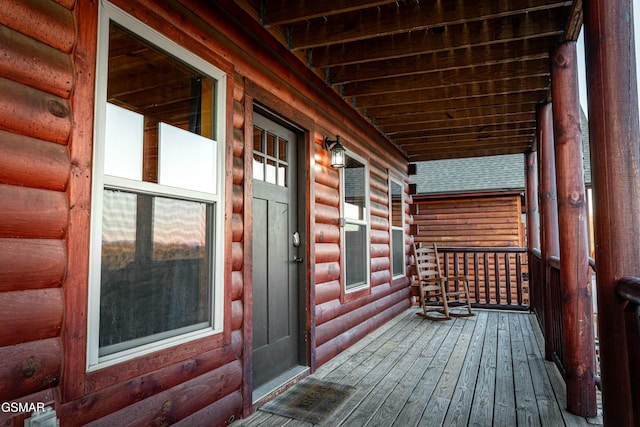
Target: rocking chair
[433, 289]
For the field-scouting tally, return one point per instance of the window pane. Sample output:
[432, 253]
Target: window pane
[354, 189]
[258, 167]
[155, 269]
[282, 149]
[271, 145]
[355, 251]
[123, 143]
[257, 140]
[398, 251]
[282, 175]
[270, 172]
[186, 160]
[158, 87]
[396, 204]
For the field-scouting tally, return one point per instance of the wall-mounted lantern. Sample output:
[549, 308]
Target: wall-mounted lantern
[337, 151]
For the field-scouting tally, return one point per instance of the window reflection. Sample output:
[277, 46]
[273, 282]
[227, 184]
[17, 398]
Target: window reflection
[355, 230]
[158, 89]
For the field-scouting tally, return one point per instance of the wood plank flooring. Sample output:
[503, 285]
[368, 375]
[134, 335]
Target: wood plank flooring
[486, 370]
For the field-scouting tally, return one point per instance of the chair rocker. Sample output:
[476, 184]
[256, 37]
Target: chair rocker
[435, 297]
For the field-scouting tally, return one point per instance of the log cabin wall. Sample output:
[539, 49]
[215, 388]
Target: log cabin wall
[484, 221]
[475, 221]
[341, 321]
[46, 140]
[36, 120]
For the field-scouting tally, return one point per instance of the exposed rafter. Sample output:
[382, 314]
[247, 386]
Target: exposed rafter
[439, 78]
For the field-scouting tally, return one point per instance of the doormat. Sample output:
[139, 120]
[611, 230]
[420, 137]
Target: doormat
[311, 400]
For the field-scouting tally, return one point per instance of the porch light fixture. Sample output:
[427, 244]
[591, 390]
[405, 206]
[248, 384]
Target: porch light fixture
[337, 151]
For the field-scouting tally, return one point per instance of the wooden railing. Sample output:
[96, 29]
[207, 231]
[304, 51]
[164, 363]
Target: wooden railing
[536, 277]
[555, 305]
[629, 289]
[496, 278]
[546, 288]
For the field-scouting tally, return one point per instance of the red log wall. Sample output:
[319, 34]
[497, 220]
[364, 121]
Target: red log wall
[36, 78]
[484, 221]
[46, 140]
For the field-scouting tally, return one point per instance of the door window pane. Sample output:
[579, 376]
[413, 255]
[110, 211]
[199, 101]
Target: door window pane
[270, 158]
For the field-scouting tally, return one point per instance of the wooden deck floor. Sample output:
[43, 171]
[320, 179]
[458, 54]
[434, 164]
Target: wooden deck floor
[477, 371]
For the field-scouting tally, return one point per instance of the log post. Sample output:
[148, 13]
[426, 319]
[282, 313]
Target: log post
[577, 308]
[615, 148]
[533, 215]
[533, 220]
[549, 217]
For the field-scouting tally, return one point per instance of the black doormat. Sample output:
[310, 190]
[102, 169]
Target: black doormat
[311, 400]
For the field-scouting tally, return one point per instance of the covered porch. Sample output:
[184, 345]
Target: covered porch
[442, 82]
[488, 369]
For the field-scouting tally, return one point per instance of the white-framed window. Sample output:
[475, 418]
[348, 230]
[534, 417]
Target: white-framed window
[355, 230]
[157, 231]
[396, 213]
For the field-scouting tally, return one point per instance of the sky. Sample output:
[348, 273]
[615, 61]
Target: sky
[581, 67]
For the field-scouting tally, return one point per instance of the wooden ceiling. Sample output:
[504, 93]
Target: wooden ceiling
[440, 78]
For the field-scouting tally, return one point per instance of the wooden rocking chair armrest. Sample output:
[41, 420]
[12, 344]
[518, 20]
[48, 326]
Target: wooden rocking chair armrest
[433, 280]
[453, 294]
[450, 278]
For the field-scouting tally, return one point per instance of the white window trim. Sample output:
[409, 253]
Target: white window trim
[109, 13]
[366, 222]
[398, 181]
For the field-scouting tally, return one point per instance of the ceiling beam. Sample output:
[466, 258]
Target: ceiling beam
[473, 34]
[506, 119]
[461, 91]
[503, 53]
[466, 153]
[451, 106]
[464, 131]
[287, 11]
[417, 143]
[375, 22]
[472, 144]
[447, 116]
[462, 75]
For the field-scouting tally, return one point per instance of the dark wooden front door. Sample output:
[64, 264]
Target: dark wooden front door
[275, 251]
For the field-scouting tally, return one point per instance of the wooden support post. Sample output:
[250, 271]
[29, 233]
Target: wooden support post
[615, 147]
[577, 304]
[549, 216]
[533, 215]
[533, 219]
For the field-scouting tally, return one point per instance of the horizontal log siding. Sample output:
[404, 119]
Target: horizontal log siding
[327, 230]
[341, 321]
[36, 81]
[35, 167]
[493, 221]
[470, 221]
[46, 143]
[206, 382]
